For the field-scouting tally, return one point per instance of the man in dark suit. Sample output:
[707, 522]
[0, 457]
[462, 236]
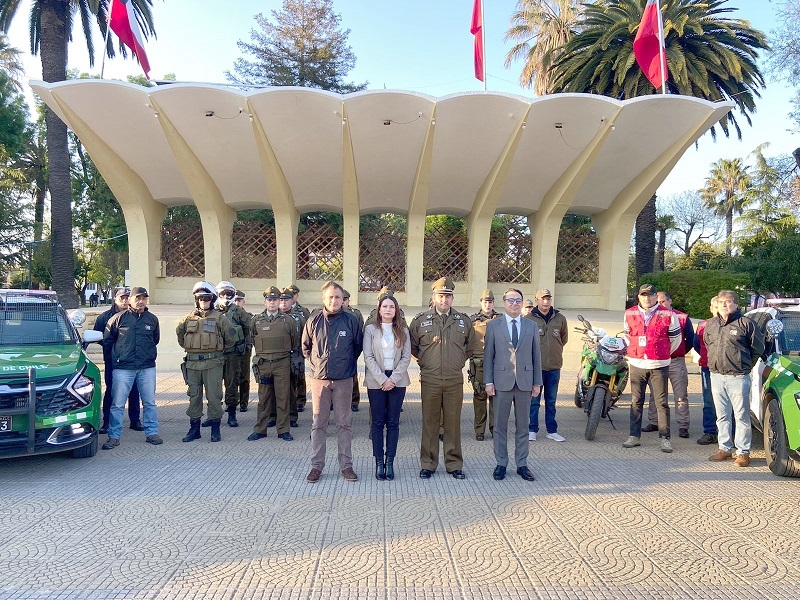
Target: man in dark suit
[512, 373]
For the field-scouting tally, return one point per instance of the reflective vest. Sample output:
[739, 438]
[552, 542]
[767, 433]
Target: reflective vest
[656, 344]
[204, 334]
[272, 337]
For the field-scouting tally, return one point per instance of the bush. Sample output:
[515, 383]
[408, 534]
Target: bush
[691, 291]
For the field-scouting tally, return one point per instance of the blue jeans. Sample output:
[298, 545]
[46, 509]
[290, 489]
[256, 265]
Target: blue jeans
[123, 382]
[385, 407]
[550, 381]
[732, 395]
[709, 413]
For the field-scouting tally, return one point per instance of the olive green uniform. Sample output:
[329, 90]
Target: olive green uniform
[274, 339]
[299, 400]
[205, 335]
[479, 399]
[441, 345]
[232, 372]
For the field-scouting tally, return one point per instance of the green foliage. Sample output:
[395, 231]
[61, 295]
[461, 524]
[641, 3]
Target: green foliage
[335, 220]
[13, 118]
[702, 256]
[302, 45]
[176, 214]
[692, 290]
[772, 264]
[259, 215]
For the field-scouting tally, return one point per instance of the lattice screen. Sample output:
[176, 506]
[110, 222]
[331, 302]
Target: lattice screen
[445, 251]
[182, 249]
[254, 253]
[510, 251]
[382, 258]
[578, 255]
[320, 253]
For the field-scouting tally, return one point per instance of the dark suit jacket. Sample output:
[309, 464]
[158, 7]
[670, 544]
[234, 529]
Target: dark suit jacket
[505, 366]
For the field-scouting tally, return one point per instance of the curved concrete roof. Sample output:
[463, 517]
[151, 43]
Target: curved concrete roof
[387, 151]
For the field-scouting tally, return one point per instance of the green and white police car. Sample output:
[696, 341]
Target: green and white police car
[775, 391]
[50, 398]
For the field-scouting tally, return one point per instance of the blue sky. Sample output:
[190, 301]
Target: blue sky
[419, 45]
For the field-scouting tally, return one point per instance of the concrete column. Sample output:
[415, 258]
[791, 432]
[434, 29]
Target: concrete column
[351, 215]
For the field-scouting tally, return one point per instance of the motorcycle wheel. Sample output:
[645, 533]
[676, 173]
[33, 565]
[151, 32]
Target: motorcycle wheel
[597, 397]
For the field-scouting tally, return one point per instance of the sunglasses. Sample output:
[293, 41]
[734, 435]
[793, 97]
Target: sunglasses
[205, 297]
[227, 293]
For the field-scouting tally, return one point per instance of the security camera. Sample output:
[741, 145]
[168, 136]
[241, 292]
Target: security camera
[387, 122]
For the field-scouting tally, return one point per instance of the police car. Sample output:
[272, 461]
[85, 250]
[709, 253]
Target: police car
[50, 399]
[775, 392]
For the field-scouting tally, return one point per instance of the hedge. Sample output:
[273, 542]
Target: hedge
[691, 291]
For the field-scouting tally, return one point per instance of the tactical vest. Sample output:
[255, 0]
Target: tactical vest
[204, 334]
[271, 338]
[232, 313]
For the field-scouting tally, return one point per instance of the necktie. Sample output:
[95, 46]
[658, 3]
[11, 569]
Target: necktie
[514, 334]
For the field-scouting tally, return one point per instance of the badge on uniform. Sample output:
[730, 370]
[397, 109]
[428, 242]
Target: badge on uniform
[461, 322]
[147, 327]
[342, 334]
[642, 341]
[267, 328]
[734, 332]
[426, 324]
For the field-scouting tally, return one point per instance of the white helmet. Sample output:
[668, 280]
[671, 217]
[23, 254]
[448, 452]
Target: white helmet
[203, 288]
[224, 286]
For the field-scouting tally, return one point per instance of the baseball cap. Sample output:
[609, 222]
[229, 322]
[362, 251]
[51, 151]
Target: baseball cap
[123, 291]
[647, 289]
[139, 291]
[543, 293]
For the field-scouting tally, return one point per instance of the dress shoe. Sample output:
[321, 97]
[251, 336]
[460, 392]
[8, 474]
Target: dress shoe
[525, 473]
[707, 439]
[313, 476]
[720, 455]
[457, 474]
[380, 468]
[441, 437]
[286, 436]
[137, 426]
[349, 474]
[480, 437]
[650, 428]
[111, 443]
[499, 473]
[293, 424]
[632, 442]
[301, 408]
[742, 460]
[255, 436]
[243, 408]
[271, 423]
[103, 429]
[683, 432]
[154, 439]
[354, 408]
[425, 473]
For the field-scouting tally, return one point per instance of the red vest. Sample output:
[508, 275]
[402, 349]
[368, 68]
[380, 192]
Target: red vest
[657, 346]
[681, 351]
[701, 327]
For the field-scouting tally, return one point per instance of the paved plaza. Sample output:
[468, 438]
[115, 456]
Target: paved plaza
[237, 520]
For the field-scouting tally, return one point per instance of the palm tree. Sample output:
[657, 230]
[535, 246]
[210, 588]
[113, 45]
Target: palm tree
[540, 28]
[50, 27]
[9, 62]
[709, 55]
[728, 190]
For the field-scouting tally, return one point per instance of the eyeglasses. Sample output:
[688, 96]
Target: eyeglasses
[513, 300]
[205, 297]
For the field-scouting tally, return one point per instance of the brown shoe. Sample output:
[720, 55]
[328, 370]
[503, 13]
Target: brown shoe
[349, 474]
[313, 476]
[742, 460]
[720, 455]
[480, 437]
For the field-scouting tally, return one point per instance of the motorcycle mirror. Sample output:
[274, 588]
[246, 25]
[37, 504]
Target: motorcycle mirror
[580, 318]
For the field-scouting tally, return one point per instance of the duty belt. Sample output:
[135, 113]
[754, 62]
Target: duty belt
[272, 360]
[210, 356]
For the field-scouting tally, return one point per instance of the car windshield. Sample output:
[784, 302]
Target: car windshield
[790, 337]
[33, 323]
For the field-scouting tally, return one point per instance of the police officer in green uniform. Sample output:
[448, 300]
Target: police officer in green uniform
[205, 333]
[383, 293]
[479, 399]
[441, 341]
[357, 313]
[275, 336]
[244, 360]
[302, 314]
[242, 321]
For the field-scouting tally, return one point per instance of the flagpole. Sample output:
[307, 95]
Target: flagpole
[105, 41]
[483, 43]
[661, 49]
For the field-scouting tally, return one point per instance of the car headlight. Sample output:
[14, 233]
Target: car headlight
[82, 387]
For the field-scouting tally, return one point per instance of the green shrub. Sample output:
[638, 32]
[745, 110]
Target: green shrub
[691, 291]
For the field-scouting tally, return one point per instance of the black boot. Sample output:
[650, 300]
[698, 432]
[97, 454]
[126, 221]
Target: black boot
[206, 423]
[194, 431]
[232, 422]
[216, 436]
[389, 467]
[380, 472]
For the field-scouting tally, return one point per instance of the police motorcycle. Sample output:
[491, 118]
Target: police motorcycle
[602, 376]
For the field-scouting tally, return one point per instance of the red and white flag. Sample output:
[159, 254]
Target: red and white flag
[476, 29]
[123, 23]
[648, 46]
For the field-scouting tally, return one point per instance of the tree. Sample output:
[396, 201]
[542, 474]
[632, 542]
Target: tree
[693, 221]
[664, 223]
[50, 27]
[728, 190]
[541, 29]
[304, 47]
[709, 55]
[645, 239]
[10, 63]
[785, 58]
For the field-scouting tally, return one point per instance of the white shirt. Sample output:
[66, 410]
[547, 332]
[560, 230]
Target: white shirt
[519, 326]
[388, 346]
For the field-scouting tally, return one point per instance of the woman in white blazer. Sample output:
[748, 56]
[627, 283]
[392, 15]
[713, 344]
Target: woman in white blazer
[387, 354]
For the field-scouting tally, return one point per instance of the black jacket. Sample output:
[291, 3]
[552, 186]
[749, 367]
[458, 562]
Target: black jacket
[331, 344]
[100, 325]
[133, 338]
[733, 345]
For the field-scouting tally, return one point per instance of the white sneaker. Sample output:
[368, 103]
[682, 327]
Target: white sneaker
[631, 442]
[556, 437]
[666, 445]
[531, 436]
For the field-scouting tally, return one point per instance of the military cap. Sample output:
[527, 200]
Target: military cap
[239, 294]
[294, 288]
[543, 293]
[345, 294]
[443, 285]
[385, 291]
[272, 293]
[286, 293]
[487, 295]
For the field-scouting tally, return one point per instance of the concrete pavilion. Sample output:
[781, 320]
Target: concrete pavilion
[296, 150]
